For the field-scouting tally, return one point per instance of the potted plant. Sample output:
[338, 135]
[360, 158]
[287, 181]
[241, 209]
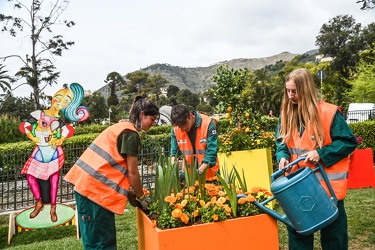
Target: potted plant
[200, 215]
[242, 139]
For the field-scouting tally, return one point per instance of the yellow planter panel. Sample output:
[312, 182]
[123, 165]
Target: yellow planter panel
[256, 163]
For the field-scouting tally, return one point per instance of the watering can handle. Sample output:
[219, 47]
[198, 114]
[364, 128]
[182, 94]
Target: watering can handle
[280, 172]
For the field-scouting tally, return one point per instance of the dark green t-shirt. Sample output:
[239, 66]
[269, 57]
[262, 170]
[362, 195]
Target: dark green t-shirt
[129, 143]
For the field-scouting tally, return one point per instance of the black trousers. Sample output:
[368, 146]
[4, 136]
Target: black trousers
[333, 236]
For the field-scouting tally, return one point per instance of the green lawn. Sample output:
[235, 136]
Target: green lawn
[360, 207]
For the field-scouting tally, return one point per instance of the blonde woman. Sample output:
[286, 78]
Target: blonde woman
[316, 130]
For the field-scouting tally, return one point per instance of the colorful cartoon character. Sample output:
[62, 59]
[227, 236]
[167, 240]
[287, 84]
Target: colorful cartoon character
[45, 128]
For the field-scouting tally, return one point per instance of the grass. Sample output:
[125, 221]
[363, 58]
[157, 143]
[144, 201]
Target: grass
[359, 204]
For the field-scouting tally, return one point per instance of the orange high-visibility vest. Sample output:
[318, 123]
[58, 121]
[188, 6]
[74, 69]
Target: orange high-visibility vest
[338, 173]
[186, 147]
[101, 173]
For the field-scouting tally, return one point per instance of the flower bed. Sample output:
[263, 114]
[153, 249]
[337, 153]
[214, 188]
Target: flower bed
[254, 232]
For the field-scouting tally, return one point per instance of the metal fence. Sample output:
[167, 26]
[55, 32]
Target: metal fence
[15, 192]
[359, 115]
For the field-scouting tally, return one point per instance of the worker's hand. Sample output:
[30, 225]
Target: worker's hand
[312, 157]
[132, 198]
[145, 201]
[283, 162]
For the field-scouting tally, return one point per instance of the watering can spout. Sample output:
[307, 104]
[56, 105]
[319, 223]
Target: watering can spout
[283, 218]
[306, 204]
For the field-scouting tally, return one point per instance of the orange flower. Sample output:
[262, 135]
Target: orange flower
[170, 199]
[215, 217]
[241, 201]
[202, 203]
[227, 209]
[183, 203]
[239, 191]
[178, 205]
[268, 193]
[146, 192]
[179, 196]
[177, 213]
[184, 218]
[250, 198]
[255, 189]
[213, 199]
[222, 200]
[221, 194]
[195, 213]
[212, 192]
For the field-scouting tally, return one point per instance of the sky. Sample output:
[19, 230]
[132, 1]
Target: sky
[128, 35]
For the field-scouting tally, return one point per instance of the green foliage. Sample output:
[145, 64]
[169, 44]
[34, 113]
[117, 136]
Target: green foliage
[367, 131]
[230, 84]
[9, 129]
[363, 82]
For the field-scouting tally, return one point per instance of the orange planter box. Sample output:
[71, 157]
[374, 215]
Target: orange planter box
[253, 232]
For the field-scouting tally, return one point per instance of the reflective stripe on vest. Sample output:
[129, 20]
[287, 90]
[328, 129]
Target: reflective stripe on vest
[186, 147]
[338, 173]
[101, 174]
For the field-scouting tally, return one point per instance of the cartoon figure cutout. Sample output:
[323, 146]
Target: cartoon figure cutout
[49, 132]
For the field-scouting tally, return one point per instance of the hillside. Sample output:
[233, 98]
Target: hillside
[198, 79]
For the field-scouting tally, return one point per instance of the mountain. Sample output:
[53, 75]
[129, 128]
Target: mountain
[198, 79]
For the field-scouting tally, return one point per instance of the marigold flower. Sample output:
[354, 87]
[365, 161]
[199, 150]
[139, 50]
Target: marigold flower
[146, 192]
[179, 196]
[255, 189]
[268, 193]
[213, 199]
[178, 205]
[242, 201]
[239, 191]
[227, 209]
[215, 217]
[170, 199]
[196, 213]
[222, 200]
[221, 194]
[212, 192]
[183, 203]
[185, 218]
[202, 203]
[176, 213]
[250, 198]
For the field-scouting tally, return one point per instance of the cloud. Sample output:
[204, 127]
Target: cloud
[125, 36]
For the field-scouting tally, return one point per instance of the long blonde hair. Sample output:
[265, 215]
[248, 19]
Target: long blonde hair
[305, 112]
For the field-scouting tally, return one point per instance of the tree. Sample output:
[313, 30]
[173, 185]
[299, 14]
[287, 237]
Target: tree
[367, 4]
[4, 79]
[138, 80]
[364, 81]
[341, 39]
[97, 105]
[20, 107]
[157, 84]
[115, 83]
[37, 67]
[172, 91]
[190, 99]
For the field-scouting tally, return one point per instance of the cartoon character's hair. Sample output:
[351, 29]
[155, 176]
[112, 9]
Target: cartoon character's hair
[74, 112]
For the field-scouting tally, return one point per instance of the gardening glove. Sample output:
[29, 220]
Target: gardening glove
[133, 199]
[145, 201]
